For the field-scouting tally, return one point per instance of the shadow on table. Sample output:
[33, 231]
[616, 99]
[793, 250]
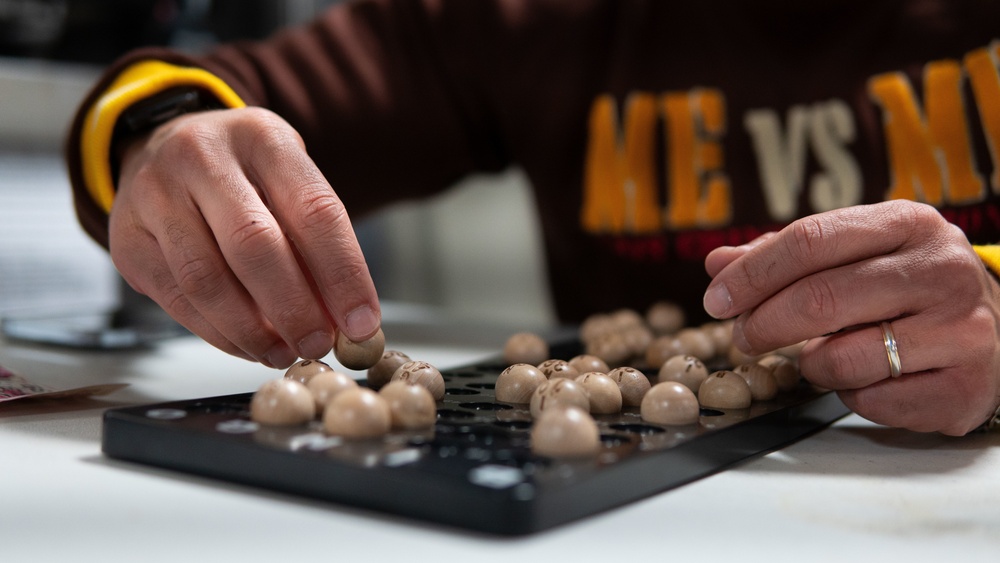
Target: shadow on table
[878, 451]
[53, 407]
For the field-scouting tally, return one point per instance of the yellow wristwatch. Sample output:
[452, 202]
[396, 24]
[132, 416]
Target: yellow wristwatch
[144, 95]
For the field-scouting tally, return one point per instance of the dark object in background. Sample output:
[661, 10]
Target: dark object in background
[99, 31]
[88, 31]
[136, 322]
[231, 20]
[31, 27]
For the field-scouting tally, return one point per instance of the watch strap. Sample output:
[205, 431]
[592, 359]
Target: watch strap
[156, 110]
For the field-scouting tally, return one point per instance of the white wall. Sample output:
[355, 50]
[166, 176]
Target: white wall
[474, 251]
[46, 261]
[37, 101]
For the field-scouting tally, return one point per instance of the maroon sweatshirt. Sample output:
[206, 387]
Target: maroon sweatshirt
[651, 131]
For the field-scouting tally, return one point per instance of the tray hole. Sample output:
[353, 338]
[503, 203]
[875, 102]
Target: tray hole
[418, 441]
[482, 385]
[451, 413]
[460, 391]
[465, 373]
[641, 429]
[486, 406]
[514, 424]
[220, 408]
[710, 412]
[612, 440]
[470, 437]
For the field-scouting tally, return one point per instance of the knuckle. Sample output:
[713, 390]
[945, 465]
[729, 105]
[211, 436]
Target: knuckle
[259, 117]
[810, 234]
[984, 323]
[143, 180]
[760, 330]
[322, 212]
[919, 220]
[253, 237]
[198, 278]
[193, 142]
[910, 212]
[271, 134]
[851, 365]
[194, 273]
[836, 365]
[289, 317]
[817, 299]
[177, 234]
[956, 234]
[347, 274]
[951, 269]
[252, 337]
[979, 336]
[162, 287]
[960, 265]
[754, 274]
[177, 304]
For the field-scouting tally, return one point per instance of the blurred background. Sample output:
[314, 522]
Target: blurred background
[454, 257]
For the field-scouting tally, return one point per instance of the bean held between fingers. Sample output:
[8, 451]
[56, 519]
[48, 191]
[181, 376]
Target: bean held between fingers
[359, 355]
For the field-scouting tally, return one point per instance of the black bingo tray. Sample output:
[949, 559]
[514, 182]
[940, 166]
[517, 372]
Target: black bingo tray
[474, 469]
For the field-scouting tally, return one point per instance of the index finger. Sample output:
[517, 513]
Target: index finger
[315, 220]
[809, 245]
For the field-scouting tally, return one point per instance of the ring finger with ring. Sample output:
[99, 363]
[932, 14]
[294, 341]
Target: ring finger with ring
[856, 358]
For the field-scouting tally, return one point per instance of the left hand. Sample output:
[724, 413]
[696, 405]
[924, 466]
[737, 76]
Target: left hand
[832, 278]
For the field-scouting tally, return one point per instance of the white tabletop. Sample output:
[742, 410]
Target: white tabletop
[853, 492]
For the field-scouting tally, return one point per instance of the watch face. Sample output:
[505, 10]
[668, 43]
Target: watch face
[163, 107]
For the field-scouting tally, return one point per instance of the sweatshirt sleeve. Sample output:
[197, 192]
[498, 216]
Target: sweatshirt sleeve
[365, 84]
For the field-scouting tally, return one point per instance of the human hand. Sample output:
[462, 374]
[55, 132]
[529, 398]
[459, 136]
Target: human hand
[832, 278]
[223, 220]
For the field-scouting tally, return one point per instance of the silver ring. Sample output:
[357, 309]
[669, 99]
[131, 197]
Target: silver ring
[891, 350]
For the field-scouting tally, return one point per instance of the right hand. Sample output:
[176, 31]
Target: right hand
[223, 219]
[835, 277]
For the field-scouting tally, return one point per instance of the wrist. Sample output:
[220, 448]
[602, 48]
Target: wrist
[137, 122]
[138, 83]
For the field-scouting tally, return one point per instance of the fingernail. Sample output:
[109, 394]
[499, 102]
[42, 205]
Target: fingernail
[740, 339]
[717, 301]
[316, 345]
[280, 356]
[360, 323]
